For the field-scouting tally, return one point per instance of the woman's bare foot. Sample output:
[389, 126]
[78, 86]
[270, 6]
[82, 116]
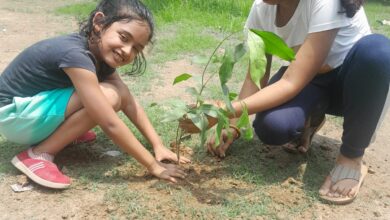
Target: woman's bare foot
[344, 190]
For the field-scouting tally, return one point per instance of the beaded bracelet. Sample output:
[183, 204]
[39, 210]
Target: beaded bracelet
[237, 131]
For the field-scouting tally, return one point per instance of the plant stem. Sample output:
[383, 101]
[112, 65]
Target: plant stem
[208, 63]
[178, 142]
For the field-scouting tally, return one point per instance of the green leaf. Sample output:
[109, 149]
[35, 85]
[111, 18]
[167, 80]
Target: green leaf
[257, 60]
[202, 134]
[226, 98]
[182, 77]
[244, 124]
[223, 122]
[239, 51]
[209, 110]
[178, 110]
[232, 96]
[199, 120]
[226, 69]
[173, 115]
[194, 92]
[153, 104]
[275, 45]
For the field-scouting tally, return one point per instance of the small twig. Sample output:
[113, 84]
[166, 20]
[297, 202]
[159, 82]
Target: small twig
[178, 142]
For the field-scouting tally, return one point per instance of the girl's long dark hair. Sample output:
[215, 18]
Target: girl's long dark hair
[120, 10]
[351, 6]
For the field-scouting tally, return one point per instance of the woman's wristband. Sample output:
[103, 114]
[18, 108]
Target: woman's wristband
[237, 131]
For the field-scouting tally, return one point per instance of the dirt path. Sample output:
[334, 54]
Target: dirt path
[23, 22]
[374, 198]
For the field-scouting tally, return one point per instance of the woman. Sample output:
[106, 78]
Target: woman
[340, 69]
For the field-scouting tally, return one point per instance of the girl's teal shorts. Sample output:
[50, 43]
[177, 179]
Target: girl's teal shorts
[30, 120]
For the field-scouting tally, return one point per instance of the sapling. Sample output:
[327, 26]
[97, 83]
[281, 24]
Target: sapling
[258, 44]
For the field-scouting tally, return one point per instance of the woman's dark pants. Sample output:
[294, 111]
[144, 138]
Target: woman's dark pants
[357, 90]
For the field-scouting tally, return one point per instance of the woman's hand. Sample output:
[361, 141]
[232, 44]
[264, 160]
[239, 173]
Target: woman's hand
[167, 172]
[225, 141]
[163, 153]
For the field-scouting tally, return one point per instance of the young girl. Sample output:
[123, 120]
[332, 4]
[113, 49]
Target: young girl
[58, 89]
[340, 68]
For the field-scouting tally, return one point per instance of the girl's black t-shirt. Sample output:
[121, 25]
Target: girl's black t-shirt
[40, 67]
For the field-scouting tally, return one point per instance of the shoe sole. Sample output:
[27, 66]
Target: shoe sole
[20, 166]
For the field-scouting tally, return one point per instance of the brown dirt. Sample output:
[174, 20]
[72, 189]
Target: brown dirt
[24, 22]
[164, 88]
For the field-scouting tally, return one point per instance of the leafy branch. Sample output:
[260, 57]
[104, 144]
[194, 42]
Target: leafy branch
[258, 44]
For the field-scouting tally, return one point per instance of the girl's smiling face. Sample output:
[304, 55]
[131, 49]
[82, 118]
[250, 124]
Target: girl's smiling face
[121, 42]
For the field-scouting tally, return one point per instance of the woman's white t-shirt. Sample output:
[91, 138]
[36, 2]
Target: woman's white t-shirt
[313, 16]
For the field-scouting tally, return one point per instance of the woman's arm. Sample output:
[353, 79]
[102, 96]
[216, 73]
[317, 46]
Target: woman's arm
[309, 60]
[301, 71]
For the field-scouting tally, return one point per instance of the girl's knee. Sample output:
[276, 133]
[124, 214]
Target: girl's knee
[123, 93]
[112, 94]
[275, 129]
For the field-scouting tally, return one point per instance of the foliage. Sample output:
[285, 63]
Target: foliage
[258, 44]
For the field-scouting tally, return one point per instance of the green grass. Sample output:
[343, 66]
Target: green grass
[227, 15]
[80, 11]
[378, 10]
[182, 37]
[130, 201]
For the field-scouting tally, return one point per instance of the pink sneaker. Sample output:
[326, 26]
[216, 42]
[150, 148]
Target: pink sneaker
[88, 137]
[42, 172]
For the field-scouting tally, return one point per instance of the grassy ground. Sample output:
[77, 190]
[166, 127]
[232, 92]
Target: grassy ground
[186, 28]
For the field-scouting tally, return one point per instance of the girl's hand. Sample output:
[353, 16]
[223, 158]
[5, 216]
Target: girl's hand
[163, 153]
[167, 172]
[225, 141]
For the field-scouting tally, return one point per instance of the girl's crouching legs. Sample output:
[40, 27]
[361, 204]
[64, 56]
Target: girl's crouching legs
[77, 122]
[37, 163]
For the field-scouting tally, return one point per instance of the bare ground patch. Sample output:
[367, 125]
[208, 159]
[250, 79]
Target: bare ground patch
[163, 86]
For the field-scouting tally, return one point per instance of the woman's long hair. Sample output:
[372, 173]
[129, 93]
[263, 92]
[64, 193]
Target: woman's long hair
[351, 6]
